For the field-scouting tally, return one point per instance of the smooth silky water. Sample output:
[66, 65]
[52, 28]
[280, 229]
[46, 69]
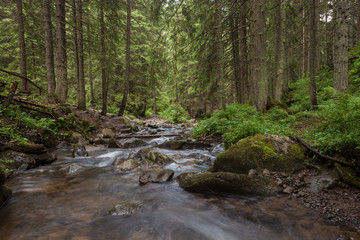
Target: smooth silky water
[47, 203]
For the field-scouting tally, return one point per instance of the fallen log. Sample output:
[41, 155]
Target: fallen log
[147, 136]
[11, 94]
[20, 76]
[320, 155]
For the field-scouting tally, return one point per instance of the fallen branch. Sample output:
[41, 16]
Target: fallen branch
[320, 155]
[20, 76]
[11, 94]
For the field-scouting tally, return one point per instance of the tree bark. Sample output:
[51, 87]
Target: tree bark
[340, 41]
[304, 47]
[312, 54]
[103, 60]
[61, 89]
[127, 68]
[259, 87]
[234, 26]
[80, 44]
[49, 49]
[22, 45]
[280, 78]
[244, 66]
[76, 49]
[219, 52]
[326, 35]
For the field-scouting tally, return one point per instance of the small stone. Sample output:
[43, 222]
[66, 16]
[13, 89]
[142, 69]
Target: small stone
[307, 205]
[108, 133]
[266, 172]
[301, 194]
[279, 181]
[252, 172]
[288, 190]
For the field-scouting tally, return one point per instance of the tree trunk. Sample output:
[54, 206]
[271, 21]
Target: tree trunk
[317, 36]
[61, 89]
[81, 84]
[103, 60]
[20, 20]
[340, 41]
[326, 36]
[219, 52]
[234, 26]
[244, 74]
[304, 52]
[312, 54]
[76, 49]
[91, 77]
[50, 69]
[259, 87]
[127, 69]
[280, 78]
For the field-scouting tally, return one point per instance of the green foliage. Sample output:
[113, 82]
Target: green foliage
[175, 113]
[240, 121]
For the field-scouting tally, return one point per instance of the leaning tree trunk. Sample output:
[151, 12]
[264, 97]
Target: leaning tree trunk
[20, 20]
[340, 41]
[103, 60]
[80, 44]
[259, 86]
[61, 89]
[49, 49]
[127, 69]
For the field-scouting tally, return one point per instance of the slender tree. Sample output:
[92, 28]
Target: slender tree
[312, 54]
[22, 45]
[103, 60]
[244, 65]
[234, 26]
[259, 85]
[49, 49]
[80, 44]
[61, 90]
[219, 51]
[340, 42]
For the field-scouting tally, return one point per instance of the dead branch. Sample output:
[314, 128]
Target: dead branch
[11, 94]
[20, 76]
[320, 155]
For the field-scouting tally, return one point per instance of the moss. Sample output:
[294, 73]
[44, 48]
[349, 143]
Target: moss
[349, 176]
[66, 109]
[260, 152]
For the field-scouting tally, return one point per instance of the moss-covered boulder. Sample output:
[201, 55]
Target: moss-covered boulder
[127, 165]
[225, 182]
[5, 193]
[152, 157]
[276, 153]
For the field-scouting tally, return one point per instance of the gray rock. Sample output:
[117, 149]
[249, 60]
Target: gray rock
[252, 172]
[107, 133]
[156, 176]
[288, 190]
[79, 151]
[72, 168]
[151, 156]
[124, 209]
[266, 172]
[113, 143]
[323, 181]
[15, 159]
[128, 165]
[132, 143]
[225, 182]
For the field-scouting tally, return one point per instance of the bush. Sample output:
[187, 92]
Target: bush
[175, 114]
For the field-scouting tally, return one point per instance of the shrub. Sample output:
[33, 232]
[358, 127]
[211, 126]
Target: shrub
[174, 113]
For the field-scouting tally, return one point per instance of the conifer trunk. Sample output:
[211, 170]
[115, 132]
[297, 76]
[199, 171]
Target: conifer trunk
[234, 26]
[103, 60]
[312, 55]
[244, 65]
[80, 44]
[22, 45]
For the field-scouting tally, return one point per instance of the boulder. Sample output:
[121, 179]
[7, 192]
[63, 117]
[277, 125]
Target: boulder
[225, 182]
[272, 152]
[15, 159]
[29, 148]
[128, 165]
[151, 156]
[132, 143]
[44, 158]
[124, 209]
[5, 193]
[78, 138]
[107, 133]
[156, 176]
[79, 151]
[324, 180]
[113, 143]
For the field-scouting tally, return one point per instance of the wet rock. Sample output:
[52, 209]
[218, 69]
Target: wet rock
[107, 133]
[73, 168]
[151, 156]
[225, 182]
[132, 143]
[15, 159]
[63, 145]
[79, 151]
[44, 158]
[184, 144]
[156, 176]
[272, 152]
[5, 193]
[124, 209]
[323, 181]
[128, 165]
[50, 140]
[113, 143]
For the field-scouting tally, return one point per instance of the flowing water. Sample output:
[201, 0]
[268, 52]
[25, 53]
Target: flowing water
[47, 203]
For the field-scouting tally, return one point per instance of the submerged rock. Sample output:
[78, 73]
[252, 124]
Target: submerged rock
[124, 209]
[73, 168]
[156, 176]
[5, 193]
[128, 165]
[132, 143]
[272, 152]
[225, 182]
